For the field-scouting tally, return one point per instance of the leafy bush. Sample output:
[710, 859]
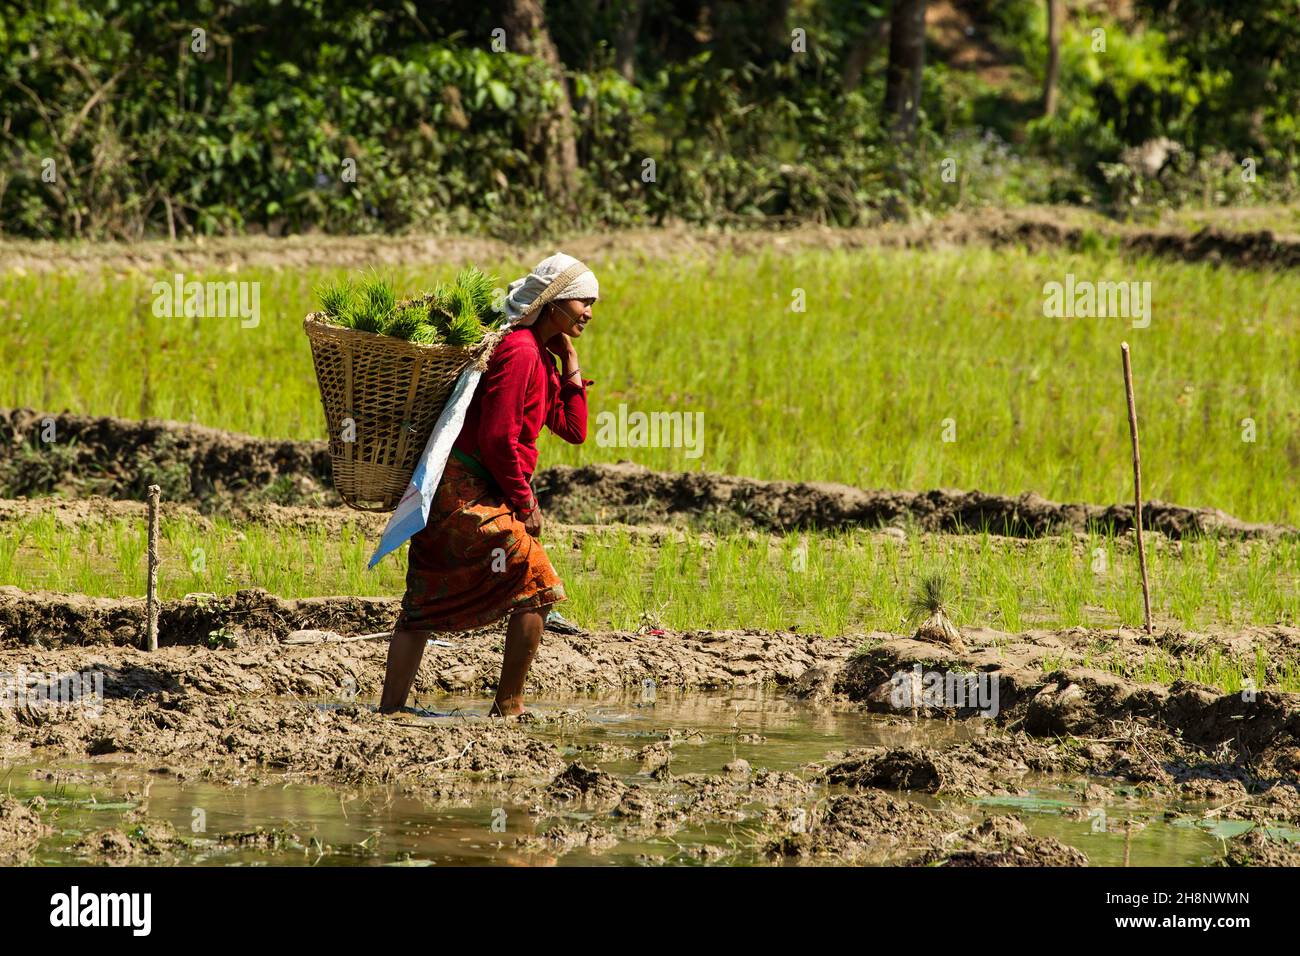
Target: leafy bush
[300, 114]
[120, 119]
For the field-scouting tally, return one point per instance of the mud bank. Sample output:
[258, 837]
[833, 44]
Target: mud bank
[263, 714]
[191, 735]
[1168, 736]
[245, 618]
[1064, 716]
[214, 470]
[120, 458]
[1043, 227]
[79, 514]
[260, 664]
[1246, 249]
[633, 494]
[21, 829]
[254, 624]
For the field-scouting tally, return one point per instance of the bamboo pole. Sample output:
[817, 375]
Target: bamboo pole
[1137, 484]
[151, 596]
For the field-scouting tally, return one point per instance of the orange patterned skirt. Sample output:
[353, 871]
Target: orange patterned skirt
[473, 563]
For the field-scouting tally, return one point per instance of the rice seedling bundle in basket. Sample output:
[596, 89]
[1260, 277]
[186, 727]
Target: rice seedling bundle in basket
[385, 370]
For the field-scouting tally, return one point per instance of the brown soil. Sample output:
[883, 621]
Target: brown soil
[120, 458]
[1001, 841]
[982, 767]
[1165, 736]
[248, 617]
[560, 839]
[222, 471]
[1152, 733]
[45, 632]
[1042, 687]
[586, 788]
[634, 494]
[869, 827]
[230, 716]
[1257, 849]
[157, 843]
[189, 734]
[1032, 227]
[21, 830]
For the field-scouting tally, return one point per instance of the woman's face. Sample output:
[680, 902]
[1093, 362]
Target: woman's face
[573, 315]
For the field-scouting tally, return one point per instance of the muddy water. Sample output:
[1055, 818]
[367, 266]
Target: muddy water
[298, 824]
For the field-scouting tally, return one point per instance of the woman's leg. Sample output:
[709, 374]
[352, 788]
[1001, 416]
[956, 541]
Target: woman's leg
[523, 635]
[405, 649]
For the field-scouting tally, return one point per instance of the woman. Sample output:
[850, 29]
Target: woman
[478, 558]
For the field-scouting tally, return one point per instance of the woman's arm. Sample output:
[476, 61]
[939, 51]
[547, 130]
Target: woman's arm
[505, 385]
[568, 416]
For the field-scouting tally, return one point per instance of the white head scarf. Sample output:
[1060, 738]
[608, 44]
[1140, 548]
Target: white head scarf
[526, 296]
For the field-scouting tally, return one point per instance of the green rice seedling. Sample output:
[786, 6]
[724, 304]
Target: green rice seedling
[440, 302]
[461, 303]
[412, 323]
[368, 309]
[356, 315]
[8, 549]
[336, 296]
[129, 546]
[972, 316]
[480, 289]
[426, 334]
[458, 309]
[464, 330]
[1008, 607]
[378, 297]
[931, 603]
[848, 582]
[88, 576]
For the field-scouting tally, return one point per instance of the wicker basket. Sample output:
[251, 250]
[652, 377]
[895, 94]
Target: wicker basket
[393, 391]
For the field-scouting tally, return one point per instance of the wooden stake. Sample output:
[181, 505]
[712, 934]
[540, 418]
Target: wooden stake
[151, 597]
[1137, 483]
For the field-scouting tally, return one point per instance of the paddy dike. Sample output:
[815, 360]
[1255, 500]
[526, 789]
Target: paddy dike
[1032, 228]
[215, 471]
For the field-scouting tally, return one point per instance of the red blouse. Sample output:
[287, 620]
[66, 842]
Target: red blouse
[520, 392]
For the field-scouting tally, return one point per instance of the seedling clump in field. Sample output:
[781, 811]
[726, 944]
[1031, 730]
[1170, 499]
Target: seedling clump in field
[456, 313]
[931, 603]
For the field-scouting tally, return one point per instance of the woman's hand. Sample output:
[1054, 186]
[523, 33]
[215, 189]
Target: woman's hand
[533, 522]
[561, 346]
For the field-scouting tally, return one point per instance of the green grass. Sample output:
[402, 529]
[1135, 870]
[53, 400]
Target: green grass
[857, 389]
[1213, 668]
[829, 583]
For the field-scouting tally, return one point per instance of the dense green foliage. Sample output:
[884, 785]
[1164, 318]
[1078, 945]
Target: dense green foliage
[118, 120]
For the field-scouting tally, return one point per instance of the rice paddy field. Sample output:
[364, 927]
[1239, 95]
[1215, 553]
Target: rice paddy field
[818, 582]
[736, 671]
[905, 368]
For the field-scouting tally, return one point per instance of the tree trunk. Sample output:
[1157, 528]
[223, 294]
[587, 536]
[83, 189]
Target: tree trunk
[526, 32]
[860, 53]
[625, 42]
[906, 64]
[1055, 18]
[778, 15]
